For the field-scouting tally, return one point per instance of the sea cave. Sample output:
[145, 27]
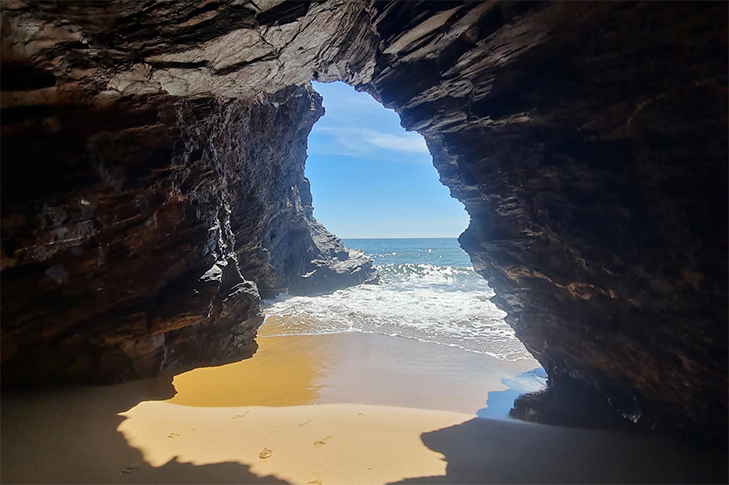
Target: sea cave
[153, 193]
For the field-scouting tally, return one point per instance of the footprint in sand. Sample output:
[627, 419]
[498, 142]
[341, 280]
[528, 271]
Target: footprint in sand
[242, 415]
[176, 435]
[304, 423]
[266, 453]
[316, 480]
[322, 442]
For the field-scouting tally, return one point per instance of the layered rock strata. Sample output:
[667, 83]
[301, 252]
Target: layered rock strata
[588, 142]
[137, 237]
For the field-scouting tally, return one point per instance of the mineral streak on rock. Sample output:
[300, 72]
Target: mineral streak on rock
[588, 142]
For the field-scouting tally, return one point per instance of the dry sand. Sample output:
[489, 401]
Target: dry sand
[327, 444]
[139, 433]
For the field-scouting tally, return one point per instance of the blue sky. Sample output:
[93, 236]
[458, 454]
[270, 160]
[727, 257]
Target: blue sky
[371, 178]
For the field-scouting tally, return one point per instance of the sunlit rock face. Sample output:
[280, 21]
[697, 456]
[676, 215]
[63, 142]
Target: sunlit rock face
[588, 142]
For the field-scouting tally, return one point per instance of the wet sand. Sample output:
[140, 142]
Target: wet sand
[319, 410]
[353, 368]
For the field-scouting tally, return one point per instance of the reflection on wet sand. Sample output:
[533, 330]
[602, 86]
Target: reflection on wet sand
[281, 373]
[351, 368]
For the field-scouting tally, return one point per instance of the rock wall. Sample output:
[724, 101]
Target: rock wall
[137, 237]
[588, 142]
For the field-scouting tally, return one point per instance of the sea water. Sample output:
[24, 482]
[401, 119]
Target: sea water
[428, 292]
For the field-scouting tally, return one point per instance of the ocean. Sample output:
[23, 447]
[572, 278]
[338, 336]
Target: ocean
[428, 292]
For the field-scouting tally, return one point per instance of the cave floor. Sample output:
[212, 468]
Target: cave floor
[331, 409]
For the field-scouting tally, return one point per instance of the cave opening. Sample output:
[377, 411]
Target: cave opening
[374, 185]
[423, 320]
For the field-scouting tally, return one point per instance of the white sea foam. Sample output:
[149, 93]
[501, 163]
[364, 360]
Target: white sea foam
[440, 304]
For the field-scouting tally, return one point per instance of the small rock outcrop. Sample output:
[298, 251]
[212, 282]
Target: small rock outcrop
[334, 266]
[588, 142]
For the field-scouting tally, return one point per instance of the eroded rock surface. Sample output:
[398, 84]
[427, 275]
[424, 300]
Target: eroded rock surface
[588, 142]
[153, 228]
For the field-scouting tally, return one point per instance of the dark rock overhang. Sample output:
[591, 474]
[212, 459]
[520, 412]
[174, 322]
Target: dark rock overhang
[588, 142]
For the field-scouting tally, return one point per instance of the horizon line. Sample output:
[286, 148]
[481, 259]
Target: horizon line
[400, 237]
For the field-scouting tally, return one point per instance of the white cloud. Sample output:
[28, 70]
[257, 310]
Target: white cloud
[362, 141]
[407, 143]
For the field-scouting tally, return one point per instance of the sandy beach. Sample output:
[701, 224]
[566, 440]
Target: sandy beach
[354, 368]
[328, 443]
[304, 413]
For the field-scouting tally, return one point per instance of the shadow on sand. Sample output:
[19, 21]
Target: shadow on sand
[497, 451]
[485, 450]
[69, 435]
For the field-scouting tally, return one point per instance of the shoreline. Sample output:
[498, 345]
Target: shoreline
[359, 368]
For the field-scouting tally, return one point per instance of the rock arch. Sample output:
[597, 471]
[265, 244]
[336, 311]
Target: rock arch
[587, 141]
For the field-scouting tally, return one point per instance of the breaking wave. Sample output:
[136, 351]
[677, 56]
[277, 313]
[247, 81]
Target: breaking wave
[447, 304]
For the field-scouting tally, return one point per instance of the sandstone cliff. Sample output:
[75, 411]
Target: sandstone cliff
[588, 142]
